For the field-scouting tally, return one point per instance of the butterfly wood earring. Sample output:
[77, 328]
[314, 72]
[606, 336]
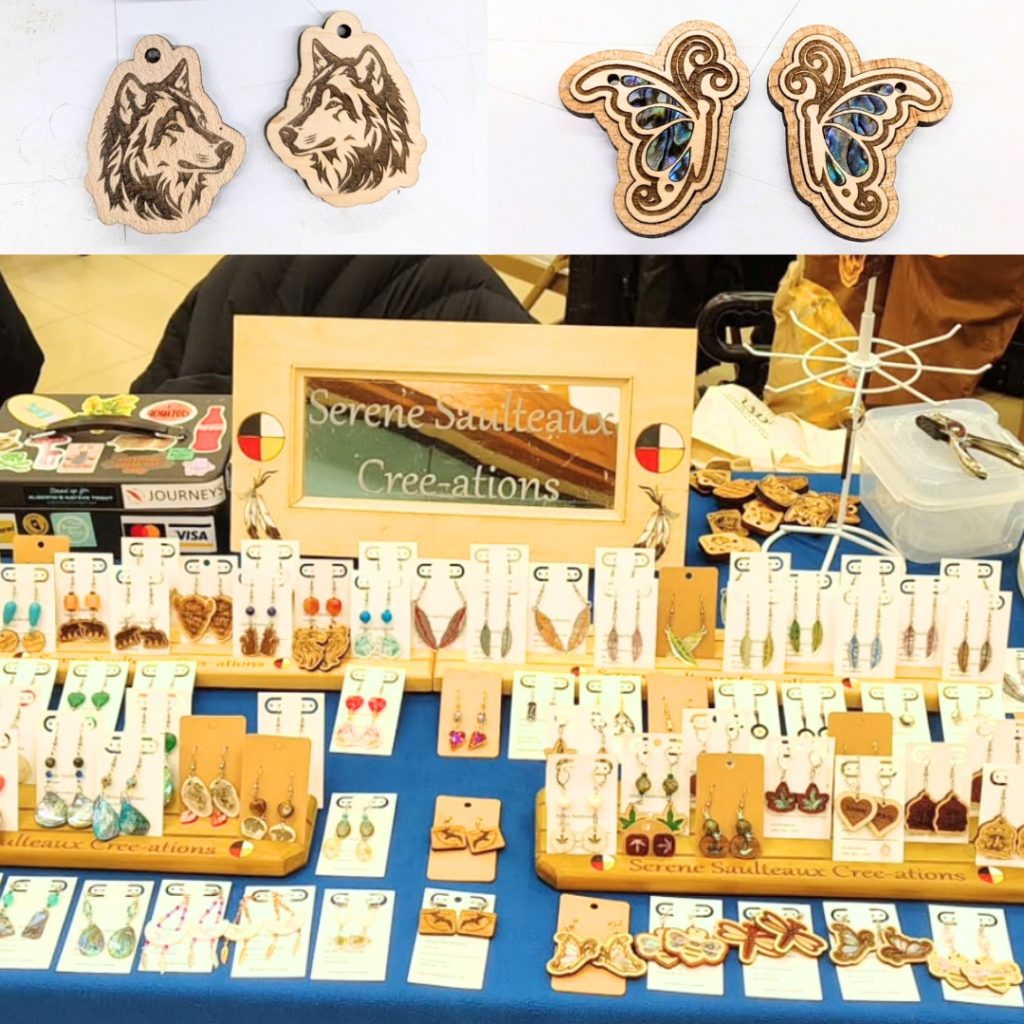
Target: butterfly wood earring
[158, 150]
[350, 126]
[846, 121]
[668, 115]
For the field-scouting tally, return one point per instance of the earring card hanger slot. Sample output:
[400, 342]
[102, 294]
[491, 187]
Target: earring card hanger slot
[461, 865]
[590, 917]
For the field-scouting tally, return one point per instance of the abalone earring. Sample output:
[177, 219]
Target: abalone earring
[80, 809]
[131, 821]
[51, 811]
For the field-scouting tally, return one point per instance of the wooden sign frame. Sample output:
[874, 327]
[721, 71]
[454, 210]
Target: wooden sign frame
[275, 356]
[159, 152]
[821, 69]
[342, 62]
[697, 67]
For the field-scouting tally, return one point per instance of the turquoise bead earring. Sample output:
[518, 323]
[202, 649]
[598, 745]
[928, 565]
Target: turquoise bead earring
[364, 645]
[35, 609]
[11, 606]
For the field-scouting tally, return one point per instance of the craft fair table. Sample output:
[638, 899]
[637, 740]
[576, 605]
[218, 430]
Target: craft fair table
[516, 989]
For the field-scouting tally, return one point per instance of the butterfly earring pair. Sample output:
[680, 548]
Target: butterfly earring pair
[670, 114]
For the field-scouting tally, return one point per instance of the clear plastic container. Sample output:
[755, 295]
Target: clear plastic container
[921, 497]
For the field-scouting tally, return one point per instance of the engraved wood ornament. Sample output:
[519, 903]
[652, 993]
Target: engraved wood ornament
[350, 126]
[158, 150]
[846, 121]
[668, 115]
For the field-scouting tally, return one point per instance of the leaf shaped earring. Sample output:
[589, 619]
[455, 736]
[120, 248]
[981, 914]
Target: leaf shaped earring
[669, 117]
[350, 127]
[684, 648]
[846, 121]
[158, 150]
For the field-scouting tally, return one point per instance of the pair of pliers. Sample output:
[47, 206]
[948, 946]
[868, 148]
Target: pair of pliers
[940, 427]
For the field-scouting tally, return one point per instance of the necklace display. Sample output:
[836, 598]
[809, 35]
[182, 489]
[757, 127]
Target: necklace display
[549, 633]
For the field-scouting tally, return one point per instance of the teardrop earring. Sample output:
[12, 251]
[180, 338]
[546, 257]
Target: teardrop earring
[104, 818]
[131, 821]
[80, 809]
[34, 641]
[51, 811]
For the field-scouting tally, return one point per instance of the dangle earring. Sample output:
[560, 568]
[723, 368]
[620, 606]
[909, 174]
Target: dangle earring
[854, 809]
[746, 641]
[593, 838]
[887, 814]
[282, 832]
[637, 642]
[485, 629]
[978, 777]
[506, 633]
[952, 815]
[170, 745]
[346, 733]
[768, 644]
[931, 639]
[129, 635]
[712, 843]
[51, 811]
[424, 629]
[223, 794]
[270, 640]
[744, 844]
[249, 642]
[388, 647]
[33, 641]
[564, 841]
[670, 784]
[781, 800]
[642, 785]
[364, 851]
[812, 800]
[612, 639]
[795, 629]
[546, 628]
[996, 837]
[920, 811]
[853, 646]
[370, 736]
[876, 642]
[80, 808]
[477, 738]
[963, 652]
[104, 817]
[457, 733]
[254, 825]
[194, 795]
[909, 638]
[131, 821]
[152, 638]
[222, 621]
[364, 645]
[984, 655]
[332, 846]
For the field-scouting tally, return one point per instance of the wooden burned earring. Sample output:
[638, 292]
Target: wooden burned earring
[846, 121]
[158, 150]
[350, 126]
[668, 115]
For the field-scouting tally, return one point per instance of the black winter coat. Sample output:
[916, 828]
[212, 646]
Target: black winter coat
[195, 354]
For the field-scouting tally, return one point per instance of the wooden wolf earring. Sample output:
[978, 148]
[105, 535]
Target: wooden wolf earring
[669, 115]
[158, 150]
[846, 121]
[350, 126]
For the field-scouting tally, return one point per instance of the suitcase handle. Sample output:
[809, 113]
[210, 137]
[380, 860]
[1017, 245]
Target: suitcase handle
[114, 424]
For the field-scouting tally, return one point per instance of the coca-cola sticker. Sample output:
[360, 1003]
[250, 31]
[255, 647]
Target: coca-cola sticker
[169, 411]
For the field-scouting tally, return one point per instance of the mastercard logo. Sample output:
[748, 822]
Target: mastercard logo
[145, 530]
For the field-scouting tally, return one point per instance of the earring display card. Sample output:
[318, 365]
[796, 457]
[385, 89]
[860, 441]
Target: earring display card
[354, 935]
[296, 714]
[625, 609]
[36, 908]
[322, 613]
[866, 637]
[807, 706]
[760, 699]
[439, 608]
[368, 711]
[959, 703]
[106, 929]
[282, 917]
[687, 599]
[1000, 814]
[618, 699]
[263, 626]
[202, 603]
[26, 687]
[920, 611]
[587, 917]
[357, 835]
[811, 628]
[64, 736]
[792, 976]
[158, 713]
[798, 773]
[938, 793]
[129, 755]
[27, 613]
[979, 935]
[141, 610]
[730, 787]
[277, 557]
[1013, 681]
[976, 635]
[537, 700]
[383, 614]
[991, 741]
[651, 780]
[757, 614]
[469, 722]
[278, 768]
[856, 925]
[868, 802]
[582, 804]
[83, 600]
[10, 773]
[207, 742]
[699, 920]
[452, 961]
[94, 690]
[186, 927]
[668, 693]
[498, 595]
[463, 815]
[905, 703]
[560, 614]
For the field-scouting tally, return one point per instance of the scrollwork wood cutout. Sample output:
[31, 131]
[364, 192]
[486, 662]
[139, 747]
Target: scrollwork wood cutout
[668, 115]
[158, 150]
[350, 126]
[847, 120]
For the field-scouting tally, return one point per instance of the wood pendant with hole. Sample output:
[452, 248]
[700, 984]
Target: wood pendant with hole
[350, 126]
[846, 121]
[158, 150]
[669, 116]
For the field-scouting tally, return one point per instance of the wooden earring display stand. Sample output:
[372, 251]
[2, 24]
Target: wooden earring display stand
[180, 850]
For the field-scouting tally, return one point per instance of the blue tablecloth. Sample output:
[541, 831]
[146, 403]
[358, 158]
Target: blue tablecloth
[517, 987]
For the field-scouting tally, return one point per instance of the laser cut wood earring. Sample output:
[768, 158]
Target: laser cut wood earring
[669, 116]
[846, 121]
[158, 150]
[350, 126]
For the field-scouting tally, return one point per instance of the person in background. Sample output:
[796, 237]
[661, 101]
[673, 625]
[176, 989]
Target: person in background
[22, 357]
